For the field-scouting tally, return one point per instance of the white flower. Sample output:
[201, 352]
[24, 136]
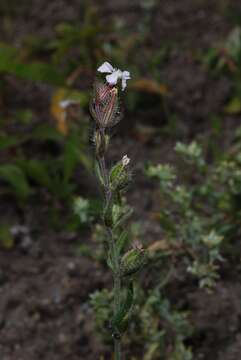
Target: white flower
[64, 104]
[125, 160]
[115, 74]
[114, 77]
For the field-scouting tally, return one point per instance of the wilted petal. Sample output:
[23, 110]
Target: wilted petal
[113, 78]
[106, 68]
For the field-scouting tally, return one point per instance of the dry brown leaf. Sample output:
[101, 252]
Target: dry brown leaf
[150, 86]
[159, 245]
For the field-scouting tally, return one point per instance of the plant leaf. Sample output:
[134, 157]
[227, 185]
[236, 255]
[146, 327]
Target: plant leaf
[150, 86]
[11, 63]
[37, 171]
[121, 315]
[122, 241]
[6, 238]
[7, 141]
[234, 106]
[15, 177]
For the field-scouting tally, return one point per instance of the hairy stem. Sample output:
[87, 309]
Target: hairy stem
[117, 289]
[114, 254]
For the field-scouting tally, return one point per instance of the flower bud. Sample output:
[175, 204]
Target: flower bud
[101, 141]
[125, 160]
[101, 92]
[105, 108]
[132, 261]
[119, 175]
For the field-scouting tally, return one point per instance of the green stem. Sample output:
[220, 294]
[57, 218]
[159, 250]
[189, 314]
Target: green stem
[117, 346]
[117, 292]
[115, 256]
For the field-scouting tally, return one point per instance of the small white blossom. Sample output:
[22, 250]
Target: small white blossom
[64, 104]
[125, 160]
[82, 209]
[115, 74]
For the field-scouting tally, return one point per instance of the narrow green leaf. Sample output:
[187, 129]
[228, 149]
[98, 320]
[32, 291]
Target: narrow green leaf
[124, 308]
[98, 172]
[122, 241]
[123, 218]
[37, 171]
[110, 261]
[15, 177]
[234, 106]
[7, 141]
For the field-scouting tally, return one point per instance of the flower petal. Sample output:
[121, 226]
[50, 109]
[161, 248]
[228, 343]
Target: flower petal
[123, 84]
[66, 103]
[106, 68]
[113, 78]
[125, 160]
[126, 75]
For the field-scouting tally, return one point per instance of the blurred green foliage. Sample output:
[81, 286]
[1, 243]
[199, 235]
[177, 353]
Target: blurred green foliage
[225, 60]
[201, 217]
[52, 173]
[156, 327]
[200, 223]
[72, 53]
[11, 63]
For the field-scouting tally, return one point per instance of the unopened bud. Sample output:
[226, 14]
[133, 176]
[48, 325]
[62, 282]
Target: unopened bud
[133, 261]
[119, 175]
[101, 92]
[125, 160]
[105, 108]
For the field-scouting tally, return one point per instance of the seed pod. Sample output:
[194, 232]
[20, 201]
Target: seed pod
[132, 261]
[101, 141]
